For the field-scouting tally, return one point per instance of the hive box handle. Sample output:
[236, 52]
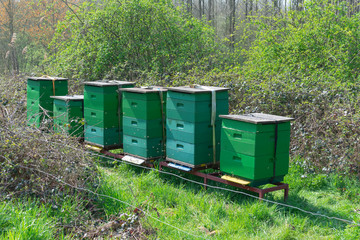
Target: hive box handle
[237, 135]
[236, 158]
[180, 105]
[179, 146]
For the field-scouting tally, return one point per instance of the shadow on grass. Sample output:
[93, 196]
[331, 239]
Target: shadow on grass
[294, 199]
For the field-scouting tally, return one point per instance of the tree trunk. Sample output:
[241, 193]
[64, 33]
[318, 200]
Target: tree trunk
[251, 7]
[211, 12]
[246, 8]
[200, 10]
[232, 23]
[189, 6]
[13, 61]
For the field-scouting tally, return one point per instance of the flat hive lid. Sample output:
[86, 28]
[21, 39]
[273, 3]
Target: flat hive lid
[102, 83]
[151, 89]
[69, 97]
[258, 118]
[47, 78]
[197, 89]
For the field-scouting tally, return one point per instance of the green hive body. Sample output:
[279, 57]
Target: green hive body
[39, 103]
[188, 124]
[68, 115]
[144, 121]
[103, 112]
[248, 147]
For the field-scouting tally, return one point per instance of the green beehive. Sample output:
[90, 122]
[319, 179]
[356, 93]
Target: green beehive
[103, 137]
[68, 115]
[255, 147]
[194, 104]
[144, 103]
[144, 111]
[103, 112]
[193, 124]
[102, 119]
[191, 132]
[39, 103]
[146, 148]
[190, 154]
[143, 128]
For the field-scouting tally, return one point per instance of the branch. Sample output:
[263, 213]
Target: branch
[72, 10]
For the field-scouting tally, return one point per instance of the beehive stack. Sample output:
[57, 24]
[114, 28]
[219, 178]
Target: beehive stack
[189, 124]
[103, 113]
[68, 115]
[255, 147]
[39, 103]
[144, 122]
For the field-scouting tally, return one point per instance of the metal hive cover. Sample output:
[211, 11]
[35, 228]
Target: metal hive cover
[47, 78]
[258, 118]
[152, 89]
[197, 89]
[69, 97]
[102, 83]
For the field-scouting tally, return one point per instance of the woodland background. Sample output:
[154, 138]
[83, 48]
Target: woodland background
[296, 58]
[292, 58]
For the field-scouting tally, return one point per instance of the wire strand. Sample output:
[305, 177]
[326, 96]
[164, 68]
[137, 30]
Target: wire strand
[207, 185]
[105, 196]
[230, 190]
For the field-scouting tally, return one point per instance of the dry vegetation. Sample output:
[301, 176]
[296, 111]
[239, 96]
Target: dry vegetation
[32, 160]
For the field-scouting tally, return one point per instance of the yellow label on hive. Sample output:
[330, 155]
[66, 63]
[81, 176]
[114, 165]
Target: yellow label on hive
[235, 180]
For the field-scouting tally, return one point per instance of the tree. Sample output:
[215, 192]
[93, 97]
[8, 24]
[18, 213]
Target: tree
[231, 31]
[211, 12]
[7, 25]
[126, 37]
[26, 29]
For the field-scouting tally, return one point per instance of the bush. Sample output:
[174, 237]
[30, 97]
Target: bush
[32, 160]
[306, 65]
[126, 38]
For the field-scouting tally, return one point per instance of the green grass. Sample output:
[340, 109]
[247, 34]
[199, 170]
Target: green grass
[211, 214]
[31, 219]
[232, 216]
[26, 221]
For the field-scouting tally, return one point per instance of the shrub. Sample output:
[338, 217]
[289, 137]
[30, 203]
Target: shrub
[32, 160]
[126, 38]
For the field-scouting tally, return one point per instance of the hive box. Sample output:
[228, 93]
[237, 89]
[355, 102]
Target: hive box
[255, 147]
[144, 121]
[103, 112]
[68, 115]
[189, 124]
[194, 104]
[39, 103]
[103, 137]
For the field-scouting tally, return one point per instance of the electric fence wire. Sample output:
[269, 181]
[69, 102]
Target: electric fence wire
[229, 190]
[104, 196]
[207, 185]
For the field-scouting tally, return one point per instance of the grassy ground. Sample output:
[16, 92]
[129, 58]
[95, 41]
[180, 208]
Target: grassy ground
[211, 214]
[218, 214]
[34, 220]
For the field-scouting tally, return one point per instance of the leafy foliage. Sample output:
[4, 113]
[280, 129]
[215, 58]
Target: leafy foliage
[125, 38]
[306, 66]
[29, 155]
[321, 41]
